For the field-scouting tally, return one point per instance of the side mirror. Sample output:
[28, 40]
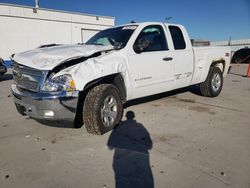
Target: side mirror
[140, 45]
[117, 45]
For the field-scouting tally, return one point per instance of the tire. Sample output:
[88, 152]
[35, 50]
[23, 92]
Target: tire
[213, 84]
[103, 109]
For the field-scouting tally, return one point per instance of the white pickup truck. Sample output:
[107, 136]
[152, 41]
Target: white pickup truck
[92, 81]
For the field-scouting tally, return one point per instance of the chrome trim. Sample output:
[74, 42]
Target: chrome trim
[216, 82]
[63, 104]
[28, 78]
[109, 111]
[42, 95]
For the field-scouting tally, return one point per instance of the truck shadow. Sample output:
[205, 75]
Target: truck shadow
[58, 124]
[192, 89]
[131, 143]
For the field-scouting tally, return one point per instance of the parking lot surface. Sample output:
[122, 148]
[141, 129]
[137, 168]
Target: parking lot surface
[177, 139]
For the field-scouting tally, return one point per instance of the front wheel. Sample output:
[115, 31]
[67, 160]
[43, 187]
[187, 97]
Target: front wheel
[213, 84]
[102, 109]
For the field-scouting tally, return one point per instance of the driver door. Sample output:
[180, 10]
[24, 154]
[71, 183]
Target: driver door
[151, 63]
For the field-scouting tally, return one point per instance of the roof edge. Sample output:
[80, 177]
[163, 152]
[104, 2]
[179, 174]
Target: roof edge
[54, 10]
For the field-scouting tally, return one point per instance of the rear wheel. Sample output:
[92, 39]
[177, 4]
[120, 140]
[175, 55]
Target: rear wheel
[213, 84]
[102, 109]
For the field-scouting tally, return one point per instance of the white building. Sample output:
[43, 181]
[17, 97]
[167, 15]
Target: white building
[24, 28]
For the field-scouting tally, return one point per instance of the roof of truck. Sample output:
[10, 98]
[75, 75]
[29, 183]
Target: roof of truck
[150, 23]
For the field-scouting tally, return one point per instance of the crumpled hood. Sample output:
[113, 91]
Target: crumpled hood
[49, 57]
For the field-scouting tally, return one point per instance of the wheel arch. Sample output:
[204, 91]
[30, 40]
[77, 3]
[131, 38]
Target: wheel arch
[220, 64]
[115, 79]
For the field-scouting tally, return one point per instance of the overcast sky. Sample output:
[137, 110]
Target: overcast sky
[210, 19]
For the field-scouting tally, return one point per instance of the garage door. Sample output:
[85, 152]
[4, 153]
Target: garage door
[87, 34]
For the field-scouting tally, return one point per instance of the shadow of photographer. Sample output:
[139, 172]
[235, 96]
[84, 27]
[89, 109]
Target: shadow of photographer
[131, 163]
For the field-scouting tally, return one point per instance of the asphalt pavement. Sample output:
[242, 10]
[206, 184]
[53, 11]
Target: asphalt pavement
[174, 140]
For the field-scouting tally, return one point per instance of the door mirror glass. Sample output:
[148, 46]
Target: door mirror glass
[141, 45]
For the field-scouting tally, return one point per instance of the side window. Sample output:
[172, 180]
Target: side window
[177, 37]
[151, 38]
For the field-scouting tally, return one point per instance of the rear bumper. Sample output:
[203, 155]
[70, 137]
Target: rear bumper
[45, 106]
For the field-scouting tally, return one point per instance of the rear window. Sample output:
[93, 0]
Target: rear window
[177, 37]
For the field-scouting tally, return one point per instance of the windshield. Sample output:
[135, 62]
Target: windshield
[117, 37]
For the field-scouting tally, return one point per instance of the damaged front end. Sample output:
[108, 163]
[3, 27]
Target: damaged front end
[42, 97]
[38, 91]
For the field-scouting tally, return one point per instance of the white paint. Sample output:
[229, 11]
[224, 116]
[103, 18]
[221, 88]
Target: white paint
[110, 63]
[49, 57]
[204, 57]
[23, 29]
[144, 74]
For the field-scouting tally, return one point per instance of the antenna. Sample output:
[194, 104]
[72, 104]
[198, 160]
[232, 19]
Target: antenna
[167, 19]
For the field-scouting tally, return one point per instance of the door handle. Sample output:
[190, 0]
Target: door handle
[167, 59]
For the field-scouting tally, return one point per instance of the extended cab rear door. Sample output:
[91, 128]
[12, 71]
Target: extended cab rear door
[151, 63]
[183, 55]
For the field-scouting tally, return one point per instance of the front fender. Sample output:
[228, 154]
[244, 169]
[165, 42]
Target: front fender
[95, 68]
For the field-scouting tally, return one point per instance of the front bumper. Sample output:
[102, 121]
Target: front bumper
[46, 106]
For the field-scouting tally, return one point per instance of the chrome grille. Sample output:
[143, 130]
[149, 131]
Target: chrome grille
[28, 78]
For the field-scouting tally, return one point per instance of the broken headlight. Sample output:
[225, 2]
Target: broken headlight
[63, 82]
